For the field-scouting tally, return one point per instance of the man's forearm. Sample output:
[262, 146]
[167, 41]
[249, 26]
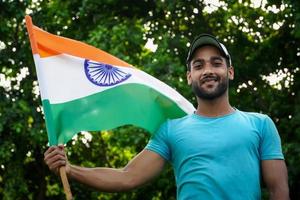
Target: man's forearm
[279, 194]
[103, 179]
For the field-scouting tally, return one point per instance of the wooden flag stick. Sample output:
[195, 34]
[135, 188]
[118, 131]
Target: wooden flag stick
[64, 179]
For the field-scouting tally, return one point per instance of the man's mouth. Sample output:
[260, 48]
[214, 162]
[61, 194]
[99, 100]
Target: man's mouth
[209, 79]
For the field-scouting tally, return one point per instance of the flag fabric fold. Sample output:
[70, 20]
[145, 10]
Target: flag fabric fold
[86, 89]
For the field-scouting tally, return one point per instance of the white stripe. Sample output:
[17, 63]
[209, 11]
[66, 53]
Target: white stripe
[62, 78]
[39, 72]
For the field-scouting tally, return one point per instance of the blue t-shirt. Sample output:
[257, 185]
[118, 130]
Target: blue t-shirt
[218, 157]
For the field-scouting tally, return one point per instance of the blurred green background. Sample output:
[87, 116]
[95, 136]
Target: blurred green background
[262, 36]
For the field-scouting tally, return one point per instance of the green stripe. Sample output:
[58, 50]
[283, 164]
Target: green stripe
[50, 125]
[133, 104]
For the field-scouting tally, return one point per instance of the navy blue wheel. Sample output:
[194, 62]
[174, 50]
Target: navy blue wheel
[104, 74]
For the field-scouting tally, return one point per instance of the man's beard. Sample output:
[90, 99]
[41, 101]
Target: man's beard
[203, 94]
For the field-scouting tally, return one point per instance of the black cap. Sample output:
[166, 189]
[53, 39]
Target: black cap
[207, 39]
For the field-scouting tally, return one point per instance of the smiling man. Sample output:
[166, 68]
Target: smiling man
[219, 152]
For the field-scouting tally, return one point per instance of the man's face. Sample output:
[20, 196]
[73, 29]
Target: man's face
[209, 74]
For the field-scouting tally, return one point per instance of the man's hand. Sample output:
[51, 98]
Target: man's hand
[55, 157]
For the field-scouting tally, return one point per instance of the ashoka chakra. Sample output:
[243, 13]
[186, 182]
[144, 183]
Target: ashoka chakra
[104, 74]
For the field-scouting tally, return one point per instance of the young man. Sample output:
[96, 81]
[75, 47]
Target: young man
[218, 152]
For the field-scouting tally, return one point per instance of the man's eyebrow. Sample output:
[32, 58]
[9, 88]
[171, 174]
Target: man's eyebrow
[216, 58]
[198, 60]
[211, 58]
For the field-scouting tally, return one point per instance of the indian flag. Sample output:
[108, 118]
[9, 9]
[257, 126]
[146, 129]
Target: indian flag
[86, 89]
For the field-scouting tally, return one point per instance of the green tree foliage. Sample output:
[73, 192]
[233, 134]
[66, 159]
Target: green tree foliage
[263, 39]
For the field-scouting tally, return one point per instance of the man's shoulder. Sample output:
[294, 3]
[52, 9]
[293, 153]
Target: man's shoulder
[176, 123]
[253, 115]
[180, 120]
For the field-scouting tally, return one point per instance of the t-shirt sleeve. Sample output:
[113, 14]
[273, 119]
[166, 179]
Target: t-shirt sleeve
[159, 143]
[270, 147]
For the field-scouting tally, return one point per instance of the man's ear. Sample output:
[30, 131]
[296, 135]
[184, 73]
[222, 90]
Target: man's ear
[231, 73]
[188, 77]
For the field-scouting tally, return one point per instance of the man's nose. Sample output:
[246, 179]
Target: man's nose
[207, 69]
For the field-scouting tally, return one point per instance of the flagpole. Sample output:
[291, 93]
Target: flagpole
[34, 48]
[65, 182]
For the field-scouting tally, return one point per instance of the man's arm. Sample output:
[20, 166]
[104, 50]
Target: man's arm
[138, 171]
[275, 176]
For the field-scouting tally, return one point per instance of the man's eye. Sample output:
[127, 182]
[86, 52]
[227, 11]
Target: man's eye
[197, 65]
[217, 63]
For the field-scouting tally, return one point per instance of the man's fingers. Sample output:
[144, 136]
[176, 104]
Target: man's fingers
[57, 164]
[50, 149]
[53, 152]
[55, 157]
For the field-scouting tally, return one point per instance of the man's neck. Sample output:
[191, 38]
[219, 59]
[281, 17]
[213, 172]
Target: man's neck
[214, 108]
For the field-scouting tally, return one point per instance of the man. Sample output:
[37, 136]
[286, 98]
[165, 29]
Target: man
[218, 152]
